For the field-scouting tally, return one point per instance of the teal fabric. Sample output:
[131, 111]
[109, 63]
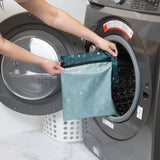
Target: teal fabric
[91, 57]
[86, 84]
[86, 91]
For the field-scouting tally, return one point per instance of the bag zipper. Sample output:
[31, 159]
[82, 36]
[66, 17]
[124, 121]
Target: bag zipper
[83, 63]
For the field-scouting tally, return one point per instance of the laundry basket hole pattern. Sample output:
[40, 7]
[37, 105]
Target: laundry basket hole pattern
[63, 131]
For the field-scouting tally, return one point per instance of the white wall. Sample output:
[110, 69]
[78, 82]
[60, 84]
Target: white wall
[75, 8]
[12, 122]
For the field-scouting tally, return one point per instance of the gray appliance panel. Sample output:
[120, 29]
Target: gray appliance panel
[104, 140]
[144, 6]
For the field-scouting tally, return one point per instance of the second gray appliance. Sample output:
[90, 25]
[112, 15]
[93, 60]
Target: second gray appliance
[133, 134]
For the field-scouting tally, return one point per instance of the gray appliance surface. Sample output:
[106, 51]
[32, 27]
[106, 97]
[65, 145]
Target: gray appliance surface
[133, 134]
[26, 87]
[144, 6]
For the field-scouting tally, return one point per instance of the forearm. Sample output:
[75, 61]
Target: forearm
[14, 51]
[59, 19]
[68, 24]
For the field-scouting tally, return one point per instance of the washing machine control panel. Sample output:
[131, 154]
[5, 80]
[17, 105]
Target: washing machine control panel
[150, 5]
[119, 1]
[145, 6]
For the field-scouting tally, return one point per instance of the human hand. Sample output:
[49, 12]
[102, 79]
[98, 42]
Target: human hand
[51, 67]
[107, 46]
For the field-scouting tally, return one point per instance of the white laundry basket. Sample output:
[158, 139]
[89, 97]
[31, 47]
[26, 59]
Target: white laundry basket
[63, 131]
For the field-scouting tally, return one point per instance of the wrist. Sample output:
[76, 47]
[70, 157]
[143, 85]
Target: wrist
[97, 41]
[39, 60]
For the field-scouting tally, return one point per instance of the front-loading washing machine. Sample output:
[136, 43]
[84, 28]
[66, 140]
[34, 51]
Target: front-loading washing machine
[26, 87]
[133, 134]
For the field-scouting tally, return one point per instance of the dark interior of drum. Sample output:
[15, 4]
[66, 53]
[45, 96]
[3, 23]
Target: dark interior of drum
[123, 93]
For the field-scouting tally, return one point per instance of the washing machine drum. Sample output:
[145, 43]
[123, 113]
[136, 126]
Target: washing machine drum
[26, 87]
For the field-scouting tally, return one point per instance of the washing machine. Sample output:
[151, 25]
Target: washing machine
[26, 87]
[133, 134]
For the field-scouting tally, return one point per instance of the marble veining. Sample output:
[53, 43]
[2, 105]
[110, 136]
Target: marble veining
[35, 145]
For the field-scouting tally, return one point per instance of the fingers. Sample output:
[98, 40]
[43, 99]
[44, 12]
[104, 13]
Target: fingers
[112, 53]
[58, 67]
[108, 46]
[113, 50]
[52, 67]
[54, 71]
[58, 62]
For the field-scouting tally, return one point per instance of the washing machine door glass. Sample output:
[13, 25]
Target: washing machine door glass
[30, 81]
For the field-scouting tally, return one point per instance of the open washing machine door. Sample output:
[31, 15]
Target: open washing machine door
[26, 87]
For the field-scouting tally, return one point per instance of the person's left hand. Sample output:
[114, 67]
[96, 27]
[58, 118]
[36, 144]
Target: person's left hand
[51, 67]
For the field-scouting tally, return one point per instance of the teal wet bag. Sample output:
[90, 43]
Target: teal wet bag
[86, 85]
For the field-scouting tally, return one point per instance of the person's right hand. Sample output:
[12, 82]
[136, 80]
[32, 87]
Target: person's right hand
[51, 67]
[107, 46]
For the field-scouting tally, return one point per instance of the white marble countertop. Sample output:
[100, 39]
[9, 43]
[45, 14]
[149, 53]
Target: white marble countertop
[34, 145]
